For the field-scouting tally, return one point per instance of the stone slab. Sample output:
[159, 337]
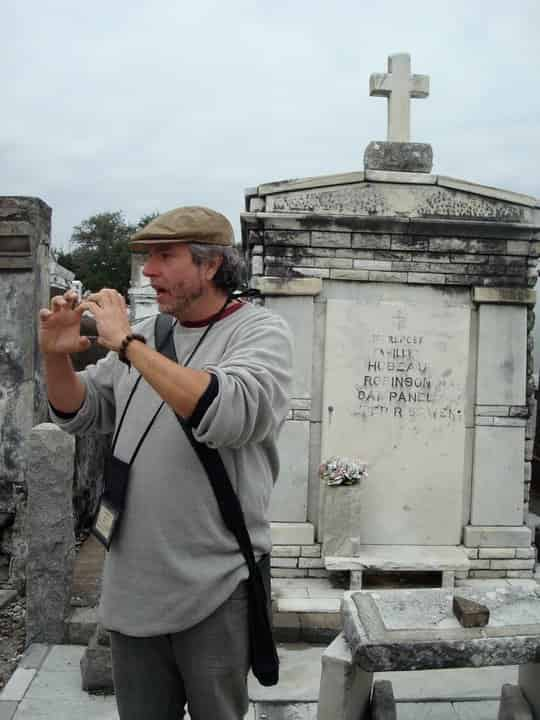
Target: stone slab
[528, 681]
[312, 605]
[513, 705]
[292, 533]
[502, 342]
[394, 384]
[282, 286]
[311, 182]
[34, 655]
[299, 676]
[288, 502]
[344, 692]
[406, 178]
[63, 658]
[399, 156]
[498, 473]
[487, 191]
[18, 684]
[7, 709]
[298, 312]
[402, 557]
[486, 710]
[383, 704]
[510, 296]
[493, 536]
[341, 519]
[451, 684]
[83, 707]
[401, 629]
[286, 711]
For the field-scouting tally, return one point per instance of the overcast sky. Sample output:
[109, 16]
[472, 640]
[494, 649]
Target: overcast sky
[141, 106]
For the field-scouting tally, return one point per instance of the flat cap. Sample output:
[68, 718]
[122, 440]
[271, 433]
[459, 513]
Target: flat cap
[185, 224]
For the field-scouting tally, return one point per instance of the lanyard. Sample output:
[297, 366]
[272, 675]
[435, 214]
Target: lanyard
[213, 320]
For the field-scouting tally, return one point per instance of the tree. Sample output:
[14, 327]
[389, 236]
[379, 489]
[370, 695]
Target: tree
[101, 257]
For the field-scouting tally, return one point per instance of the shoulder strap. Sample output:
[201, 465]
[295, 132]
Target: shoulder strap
[227, 500]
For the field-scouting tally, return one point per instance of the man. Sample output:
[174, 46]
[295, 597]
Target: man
[174, 591]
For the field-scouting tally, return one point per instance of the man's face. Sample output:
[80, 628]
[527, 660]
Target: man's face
[179, 283]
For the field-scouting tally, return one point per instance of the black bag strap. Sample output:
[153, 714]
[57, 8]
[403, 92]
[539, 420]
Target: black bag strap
[264, 657]
[227, 500]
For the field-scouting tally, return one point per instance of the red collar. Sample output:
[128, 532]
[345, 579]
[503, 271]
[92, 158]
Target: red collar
[201, 323]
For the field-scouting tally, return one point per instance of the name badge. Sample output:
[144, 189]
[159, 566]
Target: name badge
[105, 523]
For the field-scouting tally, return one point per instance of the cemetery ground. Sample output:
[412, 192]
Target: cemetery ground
[12, 635]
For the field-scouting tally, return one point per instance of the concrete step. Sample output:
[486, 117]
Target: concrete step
[304, 610]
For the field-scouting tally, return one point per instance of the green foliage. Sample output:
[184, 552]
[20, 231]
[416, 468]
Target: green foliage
[101, 257]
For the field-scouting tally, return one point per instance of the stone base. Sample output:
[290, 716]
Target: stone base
[448, 560]
[96, 664]
[404, 157]
[513, 704]
[345, 688]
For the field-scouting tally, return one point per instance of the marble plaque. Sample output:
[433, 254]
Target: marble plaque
[394, 395]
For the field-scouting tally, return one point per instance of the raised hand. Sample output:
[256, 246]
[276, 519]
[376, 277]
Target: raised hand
[110, 311]
[59, 329]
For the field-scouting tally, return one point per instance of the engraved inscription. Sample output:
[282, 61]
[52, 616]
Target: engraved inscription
[398, 380]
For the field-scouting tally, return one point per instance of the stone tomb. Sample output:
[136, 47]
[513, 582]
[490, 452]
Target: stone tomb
[409, 294]
[24, 288]
[417, 630]
[395, 381]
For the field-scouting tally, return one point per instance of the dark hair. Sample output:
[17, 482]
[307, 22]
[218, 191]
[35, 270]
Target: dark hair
[231, 273]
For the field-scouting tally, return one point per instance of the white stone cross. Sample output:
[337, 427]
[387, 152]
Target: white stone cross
[398, 85]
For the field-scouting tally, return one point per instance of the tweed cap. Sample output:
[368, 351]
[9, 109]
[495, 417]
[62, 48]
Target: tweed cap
[185, 224]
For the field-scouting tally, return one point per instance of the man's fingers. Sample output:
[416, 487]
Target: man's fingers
[58, 302]
[90, 305]
[84, 343]
[104, 296]
[44, 314]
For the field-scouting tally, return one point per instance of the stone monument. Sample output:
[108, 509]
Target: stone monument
[409, 294]
[142, 296]
[24, 288]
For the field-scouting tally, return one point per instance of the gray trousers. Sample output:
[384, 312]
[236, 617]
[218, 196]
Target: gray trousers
[204, 667]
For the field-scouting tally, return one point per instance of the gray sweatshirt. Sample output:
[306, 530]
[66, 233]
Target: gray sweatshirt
[172, 561]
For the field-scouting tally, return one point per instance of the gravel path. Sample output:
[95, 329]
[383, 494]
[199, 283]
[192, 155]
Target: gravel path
[12, 635]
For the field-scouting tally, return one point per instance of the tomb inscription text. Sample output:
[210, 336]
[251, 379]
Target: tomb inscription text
[399, 381]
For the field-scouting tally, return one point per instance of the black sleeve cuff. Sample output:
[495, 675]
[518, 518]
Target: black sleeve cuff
[64, 415]
[205, 401]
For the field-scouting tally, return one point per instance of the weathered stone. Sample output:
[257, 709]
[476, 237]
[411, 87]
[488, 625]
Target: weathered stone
[342, 513]
[514, 296]
[513, 705]
[25, 228]
[470, 613]
[322, 181]
[50, 527]
[383, 704]
[345, 689]
[398, 86]
[284, 286]
[406, 558]
[416, 629]
[400, 156]
[96, 670]
[362, 382]
[286, 711]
